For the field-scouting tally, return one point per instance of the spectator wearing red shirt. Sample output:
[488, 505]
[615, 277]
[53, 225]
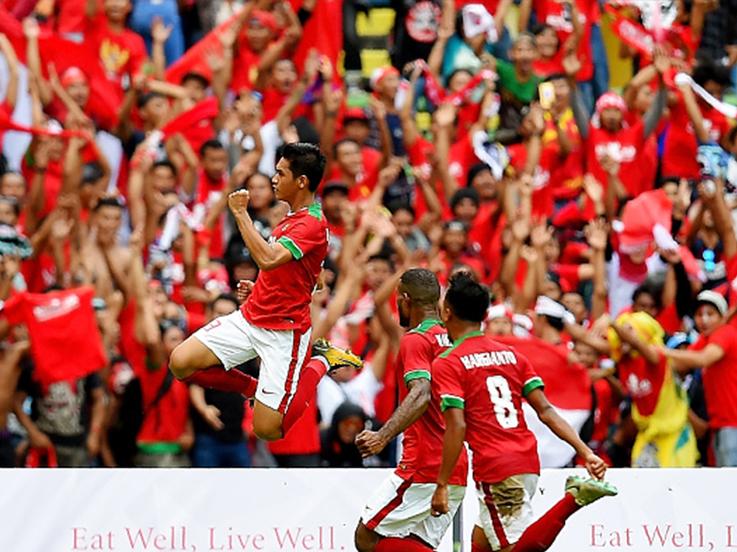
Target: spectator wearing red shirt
[608, 135]
[716, 353]
[694, 122]
[213, 180]
[122, 52]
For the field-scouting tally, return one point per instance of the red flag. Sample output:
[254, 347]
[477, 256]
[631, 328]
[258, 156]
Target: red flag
[323, 32]
[194, 124]
[640, 217]
[105, 96]
[6, 123]
[194, 60]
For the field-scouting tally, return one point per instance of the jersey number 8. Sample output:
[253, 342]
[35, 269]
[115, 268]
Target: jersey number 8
[501, 398]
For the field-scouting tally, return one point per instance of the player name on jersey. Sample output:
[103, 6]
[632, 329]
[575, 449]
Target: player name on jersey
[491, 358]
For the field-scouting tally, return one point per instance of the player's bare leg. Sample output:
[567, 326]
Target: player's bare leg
[479, 542]
[365, 539]
[270, 424]
[539, 536]
[193, 362]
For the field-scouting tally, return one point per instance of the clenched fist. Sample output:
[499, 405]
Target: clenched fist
[238, 201]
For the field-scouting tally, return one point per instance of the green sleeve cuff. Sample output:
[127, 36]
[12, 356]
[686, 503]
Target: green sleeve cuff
[532, 384]
[416, 374]
[451, 401]
[292, 247]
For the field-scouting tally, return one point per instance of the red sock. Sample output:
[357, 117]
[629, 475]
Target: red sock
[392, 544]
[311, 375]
[221, 379]
[540, 535]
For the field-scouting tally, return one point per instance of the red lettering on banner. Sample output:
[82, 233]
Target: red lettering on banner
[96, 541]
[174, 539]
[324, 537]
[692, 537]
[731, 537]
[234, 541]
[612, 538]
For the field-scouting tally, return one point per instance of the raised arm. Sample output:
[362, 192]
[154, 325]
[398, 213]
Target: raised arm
[11, 94]
[267, 256]
[653, 115]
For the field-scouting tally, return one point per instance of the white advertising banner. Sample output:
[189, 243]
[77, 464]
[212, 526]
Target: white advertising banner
[316, 510]
[186, 510]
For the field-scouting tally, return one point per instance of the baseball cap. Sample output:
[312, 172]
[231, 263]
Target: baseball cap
[716, 300]
[73, 75]
[355, 114]
[611, 100]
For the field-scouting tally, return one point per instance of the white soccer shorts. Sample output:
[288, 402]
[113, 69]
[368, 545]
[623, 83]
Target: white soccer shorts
[505, 508]
[234, 341]
[400, 508]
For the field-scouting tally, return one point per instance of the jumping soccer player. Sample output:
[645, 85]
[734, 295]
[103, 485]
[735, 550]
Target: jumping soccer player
[397, 517]
[481, 384]
[274, 322]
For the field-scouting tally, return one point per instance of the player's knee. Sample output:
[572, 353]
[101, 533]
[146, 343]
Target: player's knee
[266, 431]
[364, 539]
[179, 362]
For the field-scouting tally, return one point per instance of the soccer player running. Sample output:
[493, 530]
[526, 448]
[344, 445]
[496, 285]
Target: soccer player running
[481, 384]
[274, 322]
[397, 517]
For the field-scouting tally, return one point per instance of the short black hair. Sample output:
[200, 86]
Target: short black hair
[401, 205]
[109, 201]
[422, 286]
[165, 163]
[225, 297]
[305, 160]
[464, 193]
[474, 171]
[198, 77]
[468, 299]
[342, 141]
[649, 288]
[143, 99]
[92, 172]
[213, 143]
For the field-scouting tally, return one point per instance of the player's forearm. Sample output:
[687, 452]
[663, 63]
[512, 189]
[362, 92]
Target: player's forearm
[563, 431]
[412, 407]
[257, 246]
[452, 446]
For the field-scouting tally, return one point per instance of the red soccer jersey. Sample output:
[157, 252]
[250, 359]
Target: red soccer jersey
[281, 297]
[625, 145]
[166, 421]
[489, 380]
[644, 381]
[558, 16]
[423, 440]
[679, 155]
[720, 379]
[65, 341]
[122, 54]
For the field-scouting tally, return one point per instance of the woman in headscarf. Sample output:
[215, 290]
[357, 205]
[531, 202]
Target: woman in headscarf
[339, 449]
[665, 438]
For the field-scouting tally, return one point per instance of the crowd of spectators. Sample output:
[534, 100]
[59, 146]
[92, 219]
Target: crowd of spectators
[601, 222]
